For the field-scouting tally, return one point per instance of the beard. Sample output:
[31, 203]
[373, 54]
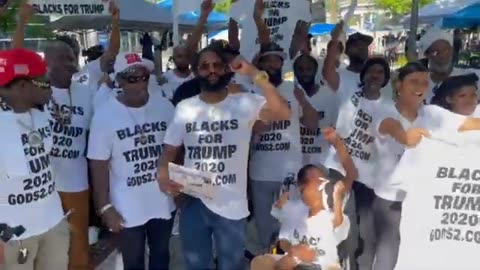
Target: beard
[183, 69]
[355, 59]
[439, 68]
[219, 85]
[307, 84]
[275, 77]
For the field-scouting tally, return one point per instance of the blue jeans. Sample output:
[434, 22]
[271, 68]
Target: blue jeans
[197, 226]
[132, 245]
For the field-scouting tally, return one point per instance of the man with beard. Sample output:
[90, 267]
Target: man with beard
[437, 46]
[215, 128]
[181, 74]
[28, 195]
[192, 87]
[276, 153]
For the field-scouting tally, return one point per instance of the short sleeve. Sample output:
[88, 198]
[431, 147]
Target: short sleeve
[438, 119]
[341, 232]
[176, 129]
[258, 103]
[100, 141]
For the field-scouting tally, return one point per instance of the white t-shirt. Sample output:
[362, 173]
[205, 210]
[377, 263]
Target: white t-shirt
[173, 82]
[216, 139]
[433, 118]
[90, 74]
[70, 140]
[356, 124]
[440, 222]
[277, 153]
[317, 232]
[314, 147]
[134, 190]
[32, 201]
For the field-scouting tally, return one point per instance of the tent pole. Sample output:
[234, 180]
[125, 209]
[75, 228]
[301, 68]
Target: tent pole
[176, 35]
[412, 39]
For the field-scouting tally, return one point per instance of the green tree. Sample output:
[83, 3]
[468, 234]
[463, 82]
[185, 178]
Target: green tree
[35, 29]
[399, 7]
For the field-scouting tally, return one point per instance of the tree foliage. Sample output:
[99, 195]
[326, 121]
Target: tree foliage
[35, 29]
[399, 7]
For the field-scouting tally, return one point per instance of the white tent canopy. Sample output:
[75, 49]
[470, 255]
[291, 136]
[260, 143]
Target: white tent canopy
[434, 12]
[134, 15]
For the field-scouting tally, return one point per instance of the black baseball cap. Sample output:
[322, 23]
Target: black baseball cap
[359, 37]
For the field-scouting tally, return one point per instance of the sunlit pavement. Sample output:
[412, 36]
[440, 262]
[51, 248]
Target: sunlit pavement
[114, 261]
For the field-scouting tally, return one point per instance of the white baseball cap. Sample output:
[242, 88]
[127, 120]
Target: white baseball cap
[126, 60]
[431, 35]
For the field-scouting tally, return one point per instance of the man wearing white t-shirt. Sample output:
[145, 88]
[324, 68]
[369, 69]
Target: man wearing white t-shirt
[215, 128]
[34, 234]
[276, 153]
[124, 151]
[314, 146]
[437, 46]
[71, 109]
[182, 72]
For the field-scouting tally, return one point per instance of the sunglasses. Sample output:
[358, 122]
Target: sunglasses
[136, 79]
[216, 66]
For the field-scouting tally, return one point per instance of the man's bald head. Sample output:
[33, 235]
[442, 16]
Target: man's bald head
[181, 58]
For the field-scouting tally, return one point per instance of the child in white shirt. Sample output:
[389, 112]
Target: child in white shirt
[310, 229]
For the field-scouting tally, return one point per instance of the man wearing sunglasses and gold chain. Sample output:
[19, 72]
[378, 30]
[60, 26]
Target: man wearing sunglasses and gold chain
[28, 195]
[126, 138]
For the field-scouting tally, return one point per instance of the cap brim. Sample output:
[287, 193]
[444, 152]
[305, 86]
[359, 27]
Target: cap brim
[277, 53]
[362, 38]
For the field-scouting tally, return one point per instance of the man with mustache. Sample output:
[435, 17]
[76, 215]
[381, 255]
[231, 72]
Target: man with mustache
[437, 46]
[215, 127]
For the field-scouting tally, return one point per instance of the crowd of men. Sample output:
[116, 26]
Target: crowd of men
[314, 162]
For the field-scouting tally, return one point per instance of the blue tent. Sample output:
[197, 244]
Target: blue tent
[214, 17]
[466, 17]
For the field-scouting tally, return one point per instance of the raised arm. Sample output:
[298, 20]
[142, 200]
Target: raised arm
[275, 108]
[262, 29]
[300, 41]
[233, 38]
[25, 14]
[351, 172]
[193, 40]
[329, 71]
[310, 116]
[114, 42]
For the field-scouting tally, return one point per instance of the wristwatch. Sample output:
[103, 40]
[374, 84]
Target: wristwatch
[260, 76]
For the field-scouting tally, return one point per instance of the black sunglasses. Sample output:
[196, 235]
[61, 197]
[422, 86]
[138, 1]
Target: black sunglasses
[136, 79]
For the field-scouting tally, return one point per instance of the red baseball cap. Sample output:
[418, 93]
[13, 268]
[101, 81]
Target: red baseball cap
[20, 63]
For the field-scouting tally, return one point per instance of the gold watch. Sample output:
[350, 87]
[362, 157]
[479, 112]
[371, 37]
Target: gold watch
[260, 76]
